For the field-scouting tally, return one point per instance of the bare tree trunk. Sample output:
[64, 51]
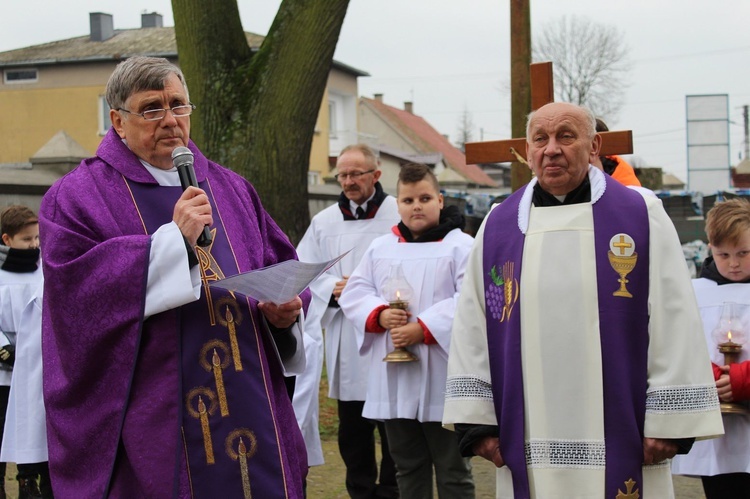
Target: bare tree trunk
[520, 81]
[211, 46]
[257, 112]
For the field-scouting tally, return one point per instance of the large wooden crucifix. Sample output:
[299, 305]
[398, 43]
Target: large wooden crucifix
[542, 92]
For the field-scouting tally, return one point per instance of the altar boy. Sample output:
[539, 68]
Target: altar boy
[23, 432]
[724, 463]
[432, 250]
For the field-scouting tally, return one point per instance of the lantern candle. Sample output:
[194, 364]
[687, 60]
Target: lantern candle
[730, 349]
[729, 336]
[398, 292]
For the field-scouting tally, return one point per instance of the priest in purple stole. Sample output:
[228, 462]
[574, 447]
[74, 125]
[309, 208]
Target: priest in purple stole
[155, 384]
[578, 365]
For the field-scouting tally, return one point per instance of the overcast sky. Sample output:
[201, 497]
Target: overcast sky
[448, 56]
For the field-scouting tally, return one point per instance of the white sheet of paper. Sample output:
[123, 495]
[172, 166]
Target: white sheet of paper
[278, 283]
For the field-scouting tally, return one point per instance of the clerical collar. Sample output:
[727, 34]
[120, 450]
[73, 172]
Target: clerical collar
[165, 178]
[168, 178]
[581, 194]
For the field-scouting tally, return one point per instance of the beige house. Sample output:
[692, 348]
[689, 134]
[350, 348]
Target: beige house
[59, 86]
[402, 137]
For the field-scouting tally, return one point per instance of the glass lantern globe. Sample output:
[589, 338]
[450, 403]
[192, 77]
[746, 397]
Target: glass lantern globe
[396, 288]
[730, 328]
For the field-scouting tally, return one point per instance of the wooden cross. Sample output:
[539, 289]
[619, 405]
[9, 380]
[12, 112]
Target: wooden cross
[542, 92]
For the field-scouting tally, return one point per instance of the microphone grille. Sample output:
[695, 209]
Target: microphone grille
[179, 151]
[181, 155]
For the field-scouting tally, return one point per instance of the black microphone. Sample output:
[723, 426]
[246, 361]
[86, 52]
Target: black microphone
[182, 159]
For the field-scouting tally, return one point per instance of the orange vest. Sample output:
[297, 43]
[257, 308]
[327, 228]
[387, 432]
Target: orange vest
[624, 173]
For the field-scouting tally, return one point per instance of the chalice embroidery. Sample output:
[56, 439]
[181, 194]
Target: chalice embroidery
[622, 257]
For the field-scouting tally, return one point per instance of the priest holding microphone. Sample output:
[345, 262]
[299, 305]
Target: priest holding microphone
[154, 383]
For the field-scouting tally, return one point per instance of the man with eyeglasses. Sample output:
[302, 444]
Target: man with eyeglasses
[156, 385]
[363, 213]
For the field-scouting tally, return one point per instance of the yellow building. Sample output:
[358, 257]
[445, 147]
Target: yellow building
[60, 86]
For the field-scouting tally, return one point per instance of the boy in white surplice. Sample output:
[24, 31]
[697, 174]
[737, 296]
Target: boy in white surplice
[724, 463]
[432, 250]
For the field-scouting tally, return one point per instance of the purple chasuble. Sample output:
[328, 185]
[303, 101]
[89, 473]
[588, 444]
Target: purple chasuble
[248, 408]
[623, 332]
[121, 393]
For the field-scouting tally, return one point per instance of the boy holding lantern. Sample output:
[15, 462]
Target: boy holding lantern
[723, 293]
[431, 251]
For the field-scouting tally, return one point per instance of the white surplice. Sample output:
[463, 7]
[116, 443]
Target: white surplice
[560, 349]
[410, 390]
[730, 453]
[328, 237]
[25, 433]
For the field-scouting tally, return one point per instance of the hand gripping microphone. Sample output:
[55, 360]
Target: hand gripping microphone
[182, 159]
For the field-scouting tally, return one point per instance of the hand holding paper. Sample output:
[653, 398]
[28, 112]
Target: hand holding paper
[284, 315]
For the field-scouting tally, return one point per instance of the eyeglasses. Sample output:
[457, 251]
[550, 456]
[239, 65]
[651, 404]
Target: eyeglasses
[159, 114]
[354, 175]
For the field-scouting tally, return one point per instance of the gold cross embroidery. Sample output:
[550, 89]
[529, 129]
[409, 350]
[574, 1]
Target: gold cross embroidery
[622, 245]
[630, 493]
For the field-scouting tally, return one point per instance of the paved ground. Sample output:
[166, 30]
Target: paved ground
[327, 482]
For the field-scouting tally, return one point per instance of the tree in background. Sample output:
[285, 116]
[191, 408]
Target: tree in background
[465, 130]
[256, 111]
[590, 62]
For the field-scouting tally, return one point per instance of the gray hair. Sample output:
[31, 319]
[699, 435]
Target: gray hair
[139, 73]
[371, 156]
[590, 121]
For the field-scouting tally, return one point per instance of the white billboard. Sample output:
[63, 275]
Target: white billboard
[708, 142]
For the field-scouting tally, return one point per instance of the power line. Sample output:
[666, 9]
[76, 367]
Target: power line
[693, 54]
[662, 132]
[432, 78]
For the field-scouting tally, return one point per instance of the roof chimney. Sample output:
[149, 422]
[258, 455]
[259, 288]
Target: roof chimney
[101, 26]
[379, 97]
[152, 20]
[409, 107]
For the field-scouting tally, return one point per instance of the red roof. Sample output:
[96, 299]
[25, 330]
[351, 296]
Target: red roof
[428, 140]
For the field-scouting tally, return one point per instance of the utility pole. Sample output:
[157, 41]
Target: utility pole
[520, 81]
[747, 132]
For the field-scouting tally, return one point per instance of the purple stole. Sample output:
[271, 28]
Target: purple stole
[209, 431]
[623, 331]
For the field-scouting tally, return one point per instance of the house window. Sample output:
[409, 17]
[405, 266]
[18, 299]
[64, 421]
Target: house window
[332, 121]
[20, 76]
[104, 121]
[313, 178]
